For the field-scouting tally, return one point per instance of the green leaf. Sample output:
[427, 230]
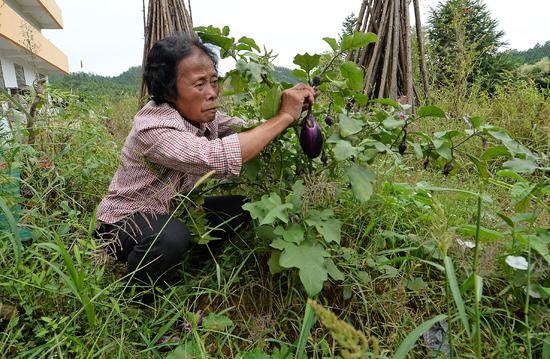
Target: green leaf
[349, 125]
[411, 339]
[250, 42]
[418, 151]
[217, 322]
[520, 193]
[432, 111]
[271, 103]
[268, 209]
[332, 270]
[307, 323]
[357, 40]
[416, 284]
[443, 148]
[361, 179]
[485, 234]
[293, 233]
[495, 152]
[273, 262]
[480, 165]
[392, 123]
[332, 43]
[251, 70]
[187, 350]
[455, 291]
[307, 62]
[299, 74]
[308, 257]
[256, 353]
[353, 74]
[223, 42]
[251, 169]
[449, 134]
[326, 224]
[513, 146]
[388, 102]
[511, 174]
[344, 150]
[520, 166]
[539, 242]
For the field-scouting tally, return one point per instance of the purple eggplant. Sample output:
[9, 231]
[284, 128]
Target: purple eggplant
[311, 137]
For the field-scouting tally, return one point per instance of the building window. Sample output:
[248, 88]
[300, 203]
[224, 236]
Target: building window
[20, 76]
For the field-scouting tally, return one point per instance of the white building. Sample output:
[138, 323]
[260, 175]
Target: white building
[25, 53]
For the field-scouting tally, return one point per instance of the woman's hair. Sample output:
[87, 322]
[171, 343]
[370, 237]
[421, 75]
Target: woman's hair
[161, 69]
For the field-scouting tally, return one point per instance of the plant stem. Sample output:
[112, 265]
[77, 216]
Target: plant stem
[476, 282]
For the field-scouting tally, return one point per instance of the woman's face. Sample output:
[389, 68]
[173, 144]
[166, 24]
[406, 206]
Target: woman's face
[198, 90]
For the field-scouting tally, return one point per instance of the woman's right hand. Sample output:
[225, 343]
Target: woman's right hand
[296, 99]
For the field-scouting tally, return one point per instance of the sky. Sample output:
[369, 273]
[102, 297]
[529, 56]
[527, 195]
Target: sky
[105, 37]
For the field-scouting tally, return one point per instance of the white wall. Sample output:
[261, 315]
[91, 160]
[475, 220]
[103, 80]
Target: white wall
[8, 70]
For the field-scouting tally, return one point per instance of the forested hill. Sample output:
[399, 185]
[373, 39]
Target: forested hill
[532, 55]
[128, 81]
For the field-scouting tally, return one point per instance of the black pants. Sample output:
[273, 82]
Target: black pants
[153, 245]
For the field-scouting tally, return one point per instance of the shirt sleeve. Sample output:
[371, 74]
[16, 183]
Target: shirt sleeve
[185, 152]
[228, 125]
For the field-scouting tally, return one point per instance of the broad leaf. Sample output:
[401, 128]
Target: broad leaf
[361, 179]
[485, 234]
[520, 193]
[271, 103]
[307, 62]
[332, 270]
[344, 150]
[273, 262]
[332, 43]
[349, 125]
[357, 40]
[309, 258]
[268, 209]
[293, 233]
[217, 322]
[391, 123]
[520, 166]
[494, 152]
[387, 102]
[353, 75]
[432, 111]
[250, 42]
[326, 224]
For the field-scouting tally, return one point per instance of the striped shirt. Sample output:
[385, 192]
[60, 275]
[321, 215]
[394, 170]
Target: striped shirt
[163, 155]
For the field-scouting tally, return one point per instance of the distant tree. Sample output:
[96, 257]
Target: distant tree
[532, 55]
[538, 72]
[283, 74]
[465, 41]
[348, 25]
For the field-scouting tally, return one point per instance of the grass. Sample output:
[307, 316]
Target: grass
[69, 304]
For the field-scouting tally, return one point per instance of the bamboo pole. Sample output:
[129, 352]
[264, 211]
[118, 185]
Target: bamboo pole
[388, 63]
[421, 52]
[164, 18]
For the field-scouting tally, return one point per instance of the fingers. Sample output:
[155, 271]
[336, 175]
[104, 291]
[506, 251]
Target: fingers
[307, 92]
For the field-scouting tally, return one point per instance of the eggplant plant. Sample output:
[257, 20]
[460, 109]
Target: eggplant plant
[303, 234]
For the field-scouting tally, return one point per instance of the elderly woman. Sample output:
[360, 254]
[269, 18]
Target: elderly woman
[176, 138]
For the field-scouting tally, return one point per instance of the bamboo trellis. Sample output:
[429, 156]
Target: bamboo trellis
[164, 18]
[388, 62]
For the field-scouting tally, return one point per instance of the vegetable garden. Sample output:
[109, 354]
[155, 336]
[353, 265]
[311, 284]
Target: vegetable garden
[413, 232]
